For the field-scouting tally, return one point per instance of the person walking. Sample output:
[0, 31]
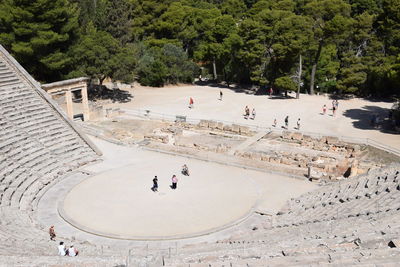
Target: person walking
[298, 124]
[174, 182]
[191, 102]
[253, 114]
[246, 112]
[334, 111]
[52, 233]
[220, 95]
[155, 184]
[287, 122]
[275, 122]
[324, 109]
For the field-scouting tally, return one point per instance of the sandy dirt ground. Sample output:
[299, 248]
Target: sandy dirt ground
[352, 118]
[118, 201]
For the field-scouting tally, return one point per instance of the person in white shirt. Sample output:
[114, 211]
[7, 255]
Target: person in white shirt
[253, 114]
[72, 252]
[61, 249]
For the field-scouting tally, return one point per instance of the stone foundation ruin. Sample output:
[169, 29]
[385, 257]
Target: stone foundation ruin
[295, 153]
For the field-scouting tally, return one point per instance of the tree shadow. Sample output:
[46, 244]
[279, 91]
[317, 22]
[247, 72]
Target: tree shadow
[101, 92]
[364, 119]
[244, 89]
[370, 99]
[281, 97]
[341, 97]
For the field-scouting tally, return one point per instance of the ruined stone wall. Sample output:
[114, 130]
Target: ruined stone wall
[327, 157]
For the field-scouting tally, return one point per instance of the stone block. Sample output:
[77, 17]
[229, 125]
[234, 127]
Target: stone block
[303, 164]
[159, 138]
[286, 161]
[220, 126]
[307, 138]
[227, 128]
[244, 130]
[318, 146]
[286, 135]
[297, 136]
[200, 147]
[331, 140]
[203, 124]
[322, 140]
[246, 155]
[235, 128]
[275, 160]
[212, 124]
[265, 157]
[179, 118]
[221, 148]
[330, 168]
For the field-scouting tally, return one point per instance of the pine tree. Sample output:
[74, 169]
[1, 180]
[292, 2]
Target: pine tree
[38, 33]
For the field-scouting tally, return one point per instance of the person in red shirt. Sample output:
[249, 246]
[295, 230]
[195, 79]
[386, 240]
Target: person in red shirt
[191, 102]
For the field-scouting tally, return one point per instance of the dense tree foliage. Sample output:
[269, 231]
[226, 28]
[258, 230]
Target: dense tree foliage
[39, 34]
[346, 46]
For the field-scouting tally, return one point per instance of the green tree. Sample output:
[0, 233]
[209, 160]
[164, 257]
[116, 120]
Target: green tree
[119, 19]
[331, 25]
[360, 6]
[151, 70]
[126, 62]
[285, 83]
[179, 67]
[355, 55]
[145, 15]
[96, 55]
[38, 34]
[219, 40]
[273, 39]
[328, 68]
[92, 11]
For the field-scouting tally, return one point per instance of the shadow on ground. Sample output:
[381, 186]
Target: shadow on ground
[363, 119]
[237, 89]
[97, 92]
[370, 99]
[245, 89]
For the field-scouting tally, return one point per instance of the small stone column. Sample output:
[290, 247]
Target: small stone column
[85, 103]
[70, 108]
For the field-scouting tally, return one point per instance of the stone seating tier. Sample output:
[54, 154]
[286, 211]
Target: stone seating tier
[36, 143]
[368, 194]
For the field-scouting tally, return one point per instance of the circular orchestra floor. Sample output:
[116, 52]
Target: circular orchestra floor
[120, 203]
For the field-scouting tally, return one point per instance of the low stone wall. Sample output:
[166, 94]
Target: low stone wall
[328, 157]
[113, 112]
[326, 143]
[219, 126]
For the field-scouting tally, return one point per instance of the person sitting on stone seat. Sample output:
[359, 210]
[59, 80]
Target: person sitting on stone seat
[62, 251]
[72, 252]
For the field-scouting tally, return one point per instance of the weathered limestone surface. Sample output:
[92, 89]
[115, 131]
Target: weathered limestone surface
[37, 144]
